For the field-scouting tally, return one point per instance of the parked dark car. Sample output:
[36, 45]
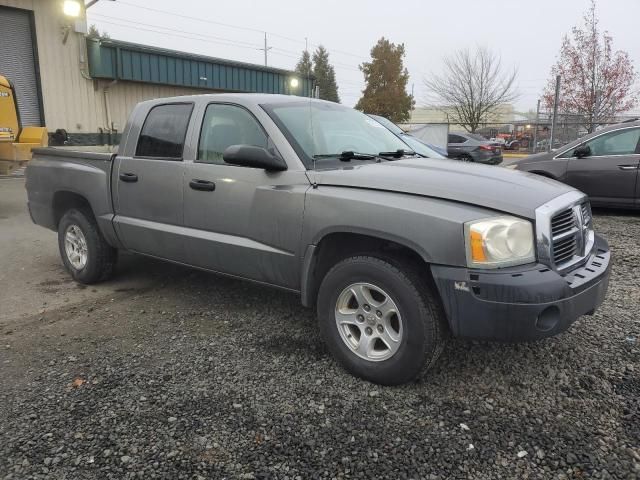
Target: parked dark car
[420, 147]
[470, 147]
[603, 164]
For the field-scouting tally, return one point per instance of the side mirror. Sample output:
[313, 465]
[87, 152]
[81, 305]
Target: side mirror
[582, 151]
[254, 157]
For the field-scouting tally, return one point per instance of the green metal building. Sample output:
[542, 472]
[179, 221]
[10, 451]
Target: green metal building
[115, 60]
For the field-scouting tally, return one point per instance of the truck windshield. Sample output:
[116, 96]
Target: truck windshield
[323, 130]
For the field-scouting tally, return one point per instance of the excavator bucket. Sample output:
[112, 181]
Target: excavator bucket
[15, 142]
[9, 122]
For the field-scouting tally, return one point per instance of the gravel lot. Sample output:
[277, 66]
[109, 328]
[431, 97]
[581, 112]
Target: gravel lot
[170, 373]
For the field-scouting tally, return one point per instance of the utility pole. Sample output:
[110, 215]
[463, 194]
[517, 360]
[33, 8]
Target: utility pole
[554, 119]
[535, 128]
[306, 49]
[596, 109]
[265, 49]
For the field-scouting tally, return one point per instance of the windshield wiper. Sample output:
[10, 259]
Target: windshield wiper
[398, 153]
[348, 155]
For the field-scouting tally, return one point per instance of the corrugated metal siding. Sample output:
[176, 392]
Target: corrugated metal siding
[138, 63]
[17, 62]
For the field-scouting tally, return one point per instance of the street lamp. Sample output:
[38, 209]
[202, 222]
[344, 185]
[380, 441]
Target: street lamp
[294, 82]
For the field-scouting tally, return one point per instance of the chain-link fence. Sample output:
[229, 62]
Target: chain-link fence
[531, 136]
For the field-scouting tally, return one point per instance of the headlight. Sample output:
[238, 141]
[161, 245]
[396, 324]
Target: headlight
[512, 166]
[499, 242]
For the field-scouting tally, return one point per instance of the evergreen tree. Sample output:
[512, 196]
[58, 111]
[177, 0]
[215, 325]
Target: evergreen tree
[95, 33]
[325, 75]
[386, 82]
[304, 66]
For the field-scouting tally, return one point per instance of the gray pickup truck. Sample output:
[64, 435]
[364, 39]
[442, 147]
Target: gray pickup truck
[394, 250]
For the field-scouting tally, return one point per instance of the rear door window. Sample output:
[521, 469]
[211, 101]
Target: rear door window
[456, 138]
[164, 131]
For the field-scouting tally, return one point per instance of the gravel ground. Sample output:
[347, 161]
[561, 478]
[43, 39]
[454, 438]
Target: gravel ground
[194, 376]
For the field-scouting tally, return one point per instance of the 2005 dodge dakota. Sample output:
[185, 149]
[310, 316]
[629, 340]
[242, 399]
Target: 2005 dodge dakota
[395, 251]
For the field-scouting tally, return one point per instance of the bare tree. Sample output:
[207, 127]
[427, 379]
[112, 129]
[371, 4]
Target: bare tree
[471, 88]
[596, 81]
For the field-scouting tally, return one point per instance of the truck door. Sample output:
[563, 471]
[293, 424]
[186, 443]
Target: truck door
[147, 184]
[243, 221]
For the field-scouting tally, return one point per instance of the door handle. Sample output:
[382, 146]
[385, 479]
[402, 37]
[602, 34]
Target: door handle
[202, 185]
[129, 177]
[628, 167]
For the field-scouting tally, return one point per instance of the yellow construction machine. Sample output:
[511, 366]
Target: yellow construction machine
[16, 141]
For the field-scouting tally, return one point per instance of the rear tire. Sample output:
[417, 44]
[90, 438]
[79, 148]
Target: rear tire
[85, 253]
[466, 158]
[397, 347]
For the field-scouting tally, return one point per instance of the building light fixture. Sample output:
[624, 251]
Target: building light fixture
[71, 8]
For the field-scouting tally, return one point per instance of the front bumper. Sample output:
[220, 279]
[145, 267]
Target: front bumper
[522, 303]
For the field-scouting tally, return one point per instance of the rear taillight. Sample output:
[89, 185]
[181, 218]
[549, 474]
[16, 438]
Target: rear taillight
[486, 147]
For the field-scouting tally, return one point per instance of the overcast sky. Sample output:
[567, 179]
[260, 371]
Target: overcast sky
[527, 34]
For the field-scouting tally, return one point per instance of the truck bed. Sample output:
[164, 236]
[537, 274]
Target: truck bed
[55, 174]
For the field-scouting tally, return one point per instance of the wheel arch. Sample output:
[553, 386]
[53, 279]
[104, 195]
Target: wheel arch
[337, 245]
[65, 200]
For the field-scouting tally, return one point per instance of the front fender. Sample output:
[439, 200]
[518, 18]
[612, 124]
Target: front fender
[433, 228]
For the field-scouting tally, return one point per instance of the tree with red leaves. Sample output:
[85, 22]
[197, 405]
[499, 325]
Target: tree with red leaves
[596, 83]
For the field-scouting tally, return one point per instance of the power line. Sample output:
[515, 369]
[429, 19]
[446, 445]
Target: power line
[249, 29]
[190, 37]
[239, 27]
[342, 52]
[229, 25]
[207, 38]
[227, 40]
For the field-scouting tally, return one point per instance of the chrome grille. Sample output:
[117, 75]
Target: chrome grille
[586, 214]
[568, 232]
[564, 231]
[563, 222]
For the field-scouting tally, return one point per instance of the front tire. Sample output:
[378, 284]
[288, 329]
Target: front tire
[85, 253]
[380, 319]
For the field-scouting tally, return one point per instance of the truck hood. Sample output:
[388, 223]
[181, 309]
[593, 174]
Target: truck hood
[497, 188]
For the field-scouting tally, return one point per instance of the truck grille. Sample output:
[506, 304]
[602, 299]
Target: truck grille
[568, 230]
[586, 214]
